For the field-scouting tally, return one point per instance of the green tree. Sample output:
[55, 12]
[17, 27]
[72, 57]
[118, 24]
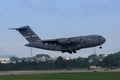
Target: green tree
[60, 63]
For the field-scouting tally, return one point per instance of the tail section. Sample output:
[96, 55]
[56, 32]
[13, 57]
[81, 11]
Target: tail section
[27, 32]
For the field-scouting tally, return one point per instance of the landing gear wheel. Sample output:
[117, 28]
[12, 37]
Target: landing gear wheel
[70, 52]
[63, 51]
[74, 51]
[100, 47]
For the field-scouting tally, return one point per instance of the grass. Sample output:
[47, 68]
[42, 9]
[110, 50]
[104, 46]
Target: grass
[66, 76]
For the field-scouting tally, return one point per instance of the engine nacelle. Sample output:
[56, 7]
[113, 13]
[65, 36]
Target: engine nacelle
[65, 41]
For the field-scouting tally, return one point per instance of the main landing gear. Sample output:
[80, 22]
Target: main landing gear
[69, 51]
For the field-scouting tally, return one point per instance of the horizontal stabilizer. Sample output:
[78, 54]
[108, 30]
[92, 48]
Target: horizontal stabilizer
[21, 28]
[12, 28]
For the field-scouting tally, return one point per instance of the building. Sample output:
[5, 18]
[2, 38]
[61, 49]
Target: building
[5, 59]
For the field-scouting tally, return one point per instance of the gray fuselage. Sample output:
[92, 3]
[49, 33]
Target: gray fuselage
[76, 43]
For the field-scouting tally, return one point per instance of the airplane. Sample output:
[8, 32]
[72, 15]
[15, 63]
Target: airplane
[70, 45]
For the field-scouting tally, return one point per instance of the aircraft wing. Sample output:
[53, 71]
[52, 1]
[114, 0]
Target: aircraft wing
[51, 41]
[61, 41]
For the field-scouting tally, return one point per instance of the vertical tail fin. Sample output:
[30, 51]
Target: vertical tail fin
[29, 35]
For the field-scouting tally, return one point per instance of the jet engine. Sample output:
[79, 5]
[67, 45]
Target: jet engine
[64, 41]
[69, 40]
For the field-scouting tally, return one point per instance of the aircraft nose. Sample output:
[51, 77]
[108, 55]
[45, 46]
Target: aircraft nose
[103, 39]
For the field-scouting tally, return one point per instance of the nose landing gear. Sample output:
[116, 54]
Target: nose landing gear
[100, 47]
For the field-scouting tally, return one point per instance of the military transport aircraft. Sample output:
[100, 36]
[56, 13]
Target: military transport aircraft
[70, 45]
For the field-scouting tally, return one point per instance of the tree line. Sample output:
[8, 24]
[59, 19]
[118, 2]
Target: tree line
[110, 61]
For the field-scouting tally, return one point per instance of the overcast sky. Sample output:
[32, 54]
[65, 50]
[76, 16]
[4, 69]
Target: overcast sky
[56, 19]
